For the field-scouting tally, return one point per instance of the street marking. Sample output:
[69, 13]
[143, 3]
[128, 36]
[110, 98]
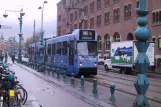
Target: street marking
[46, 90]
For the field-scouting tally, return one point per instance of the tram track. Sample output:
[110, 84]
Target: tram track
[154, 90]
[127, 84]
[105, 74]
[124, 91]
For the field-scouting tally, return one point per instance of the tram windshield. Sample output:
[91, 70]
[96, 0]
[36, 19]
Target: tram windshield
[87, 48]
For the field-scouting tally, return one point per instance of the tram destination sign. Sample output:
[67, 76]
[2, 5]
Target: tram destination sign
[87, 35]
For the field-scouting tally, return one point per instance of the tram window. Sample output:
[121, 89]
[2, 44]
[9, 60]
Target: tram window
[49, 49]
[59, 48]
[37, 51]
[32, 50]
[53, 49]
[64, 49]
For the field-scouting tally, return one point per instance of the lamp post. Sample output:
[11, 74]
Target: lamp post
[5, 46]
[142, 34]
[20, 34]
[42, 34]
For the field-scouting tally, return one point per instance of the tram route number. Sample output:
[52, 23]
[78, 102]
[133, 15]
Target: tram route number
[87, 35]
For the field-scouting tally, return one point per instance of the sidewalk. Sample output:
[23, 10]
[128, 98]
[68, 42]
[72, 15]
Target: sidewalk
[101, 99]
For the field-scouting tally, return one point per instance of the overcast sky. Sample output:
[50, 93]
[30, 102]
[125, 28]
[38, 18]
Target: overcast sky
[32, 12]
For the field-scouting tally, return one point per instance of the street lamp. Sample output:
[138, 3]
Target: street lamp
[20, 34]
[142, 63]
[42, 34]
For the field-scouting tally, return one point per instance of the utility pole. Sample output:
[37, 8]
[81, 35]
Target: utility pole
[34, 32]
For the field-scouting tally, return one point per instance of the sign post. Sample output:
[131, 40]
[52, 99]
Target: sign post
[5, 27]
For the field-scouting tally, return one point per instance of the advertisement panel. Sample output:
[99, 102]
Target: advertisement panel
[122, 53]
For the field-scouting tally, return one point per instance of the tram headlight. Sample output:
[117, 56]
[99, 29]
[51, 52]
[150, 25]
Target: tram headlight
[80, 63]
[95, 63]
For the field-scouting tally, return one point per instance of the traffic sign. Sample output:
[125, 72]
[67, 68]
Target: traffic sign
[5, 27]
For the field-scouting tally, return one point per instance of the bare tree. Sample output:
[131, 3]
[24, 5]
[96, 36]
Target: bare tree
[33, 39]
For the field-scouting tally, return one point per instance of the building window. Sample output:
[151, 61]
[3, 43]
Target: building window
[137, 4]
[92, 7]
[107, 2]
[129, 14]
[153, 39]
[98, 4]
[71, 17]
[115, 1]
[59, 30]
[59, 18]
[99, 20]
[75, 15]
[116, 15]
[107, 18]
[86, 10]
[160, 16]
[116, 37]
[80, 25]
[49, 49]
[107, 42]
[127, 11]
[156, 16]
[85, 24]
[75, 26]
[92, 23]
[99, 43]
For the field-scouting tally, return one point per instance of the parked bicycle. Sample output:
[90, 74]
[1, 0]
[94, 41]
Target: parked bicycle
[12, 94]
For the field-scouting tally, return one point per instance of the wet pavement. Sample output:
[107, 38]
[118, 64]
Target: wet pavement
[123, 99]
[45, 94]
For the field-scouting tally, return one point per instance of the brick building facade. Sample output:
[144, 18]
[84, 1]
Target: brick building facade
[114, 20]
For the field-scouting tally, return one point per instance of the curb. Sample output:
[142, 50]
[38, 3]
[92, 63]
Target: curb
[89, 99]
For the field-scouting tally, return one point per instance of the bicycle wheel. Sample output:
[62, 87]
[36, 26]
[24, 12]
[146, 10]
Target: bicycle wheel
[23, 93]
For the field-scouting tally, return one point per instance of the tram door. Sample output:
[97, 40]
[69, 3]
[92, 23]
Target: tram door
[71, 54]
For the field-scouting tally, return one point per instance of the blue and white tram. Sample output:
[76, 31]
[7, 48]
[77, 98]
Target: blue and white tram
[75, 53]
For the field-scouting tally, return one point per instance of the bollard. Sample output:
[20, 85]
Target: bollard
[112, 89]
[72, 78]
[64, 75]
[95, 86]
[53, 70]
[58, 75]
[38, 67]
[82, 81]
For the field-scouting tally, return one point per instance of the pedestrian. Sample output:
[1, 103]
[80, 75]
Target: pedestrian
[1, 55]
[13, 58]
[6, 57]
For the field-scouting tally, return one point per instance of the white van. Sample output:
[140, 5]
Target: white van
[100, 60]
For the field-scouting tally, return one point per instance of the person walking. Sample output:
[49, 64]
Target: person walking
[6, 57]
[13, 58]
